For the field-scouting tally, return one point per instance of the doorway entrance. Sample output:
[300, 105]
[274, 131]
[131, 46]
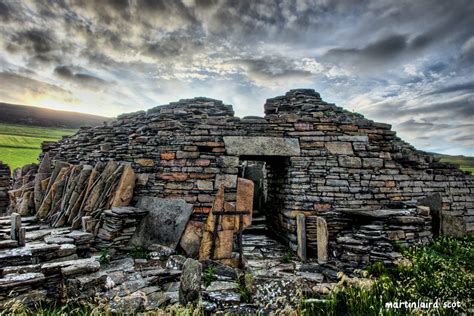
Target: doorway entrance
[264, 238]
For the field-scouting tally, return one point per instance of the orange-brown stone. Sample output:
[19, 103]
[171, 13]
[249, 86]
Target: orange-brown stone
[167, 156]
[145, 162]
[244, 199]
[174, 176]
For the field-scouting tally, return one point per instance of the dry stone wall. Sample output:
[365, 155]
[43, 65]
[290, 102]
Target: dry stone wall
[322, 160]
[4, 187]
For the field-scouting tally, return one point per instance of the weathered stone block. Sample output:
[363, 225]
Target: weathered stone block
[174, 176]
[339, 148]
[167, 156]
[261, 146]
[228, 161]
[145, 162]
[358, 138]
[244, 199]
[165, 222]
[190, 285]
[372, 163]
[350, 162]
[191, 239]
[206, 185]
[199, 162]
[322, 239]
[228, 180]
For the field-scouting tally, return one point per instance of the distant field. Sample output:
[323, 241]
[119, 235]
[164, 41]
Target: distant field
[466, 163]
[21, 144]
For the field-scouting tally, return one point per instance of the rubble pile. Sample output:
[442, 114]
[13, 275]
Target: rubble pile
[115, 227]
[373, 234]
[36, 270]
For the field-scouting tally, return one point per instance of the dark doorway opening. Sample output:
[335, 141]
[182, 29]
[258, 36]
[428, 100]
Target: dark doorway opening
[435, 203]
[265, 238]
[270, 176]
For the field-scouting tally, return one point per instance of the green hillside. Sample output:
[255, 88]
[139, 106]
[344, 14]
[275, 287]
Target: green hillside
[466, 163]
[21, 144]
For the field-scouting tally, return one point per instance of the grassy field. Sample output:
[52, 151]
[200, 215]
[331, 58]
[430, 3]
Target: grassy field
[466, 163]
[21, 144]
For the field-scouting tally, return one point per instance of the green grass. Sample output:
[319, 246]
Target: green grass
[466, 163]
[84, 308]
[34, 131]
[443, 271]
[21, 144]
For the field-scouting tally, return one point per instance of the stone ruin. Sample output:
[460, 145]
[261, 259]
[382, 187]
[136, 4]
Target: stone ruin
[4, 186]
[327, 183]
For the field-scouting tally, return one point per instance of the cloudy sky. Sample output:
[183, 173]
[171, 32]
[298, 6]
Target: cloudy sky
[408, 63]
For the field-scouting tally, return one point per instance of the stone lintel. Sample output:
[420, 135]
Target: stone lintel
[262, 146]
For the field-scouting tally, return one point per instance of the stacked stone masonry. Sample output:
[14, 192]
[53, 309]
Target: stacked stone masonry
[4, 187]
[322, 160]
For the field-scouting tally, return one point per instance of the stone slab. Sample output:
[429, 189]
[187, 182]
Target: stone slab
[261, 146]
[165, 222]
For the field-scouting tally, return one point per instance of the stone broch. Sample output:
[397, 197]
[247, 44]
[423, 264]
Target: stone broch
[321, 160]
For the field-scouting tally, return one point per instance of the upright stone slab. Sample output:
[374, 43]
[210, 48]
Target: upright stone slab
[22, 237]
[44, 171]
[190, 285]
[15, 226]
[191, 239]
[244, 202]
[124, 192]
[322, 239]
[165, 222]
[225, 237]
[209, 226]
[301, 234]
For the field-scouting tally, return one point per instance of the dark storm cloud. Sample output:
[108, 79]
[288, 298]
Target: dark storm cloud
[412, 124]
[462, 87]
[382, 49]
[173, 46]
[269, 68]
[68, 73]
[14, 85]
[461, 108]
[467, 52]
[5, 14]
[463, 138]
[37, 43]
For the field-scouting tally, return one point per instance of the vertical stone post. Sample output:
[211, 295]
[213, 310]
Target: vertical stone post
[301, 234]
[15, 226]
[22, 237]
[190, 285]
[322, 239]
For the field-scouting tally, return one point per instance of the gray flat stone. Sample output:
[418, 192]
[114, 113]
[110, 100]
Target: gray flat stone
[222, 286]
[164, 224]
[12, 280]
[223, 297]
[376, 213]
[261, 146]
[58, 240]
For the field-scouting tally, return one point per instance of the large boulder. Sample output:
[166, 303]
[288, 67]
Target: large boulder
[164, 224]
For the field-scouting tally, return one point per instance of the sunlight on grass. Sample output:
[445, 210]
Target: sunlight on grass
[21, 144]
